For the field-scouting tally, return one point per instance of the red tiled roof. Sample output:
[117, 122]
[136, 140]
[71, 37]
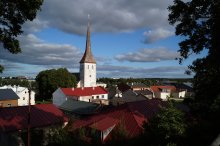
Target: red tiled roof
[104, 124]
[16, 118]
[132, 114]
[158, 88]
[85, 91]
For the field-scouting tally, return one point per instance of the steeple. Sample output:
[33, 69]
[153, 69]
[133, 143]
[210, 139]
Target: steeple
[88, 57]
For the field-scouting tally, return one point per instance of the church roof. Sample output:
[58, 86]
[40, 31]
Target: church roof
[88, 57]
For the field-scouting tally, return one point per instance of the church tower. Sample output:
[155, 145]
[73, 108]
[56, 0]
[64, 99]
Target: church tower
[88, 65]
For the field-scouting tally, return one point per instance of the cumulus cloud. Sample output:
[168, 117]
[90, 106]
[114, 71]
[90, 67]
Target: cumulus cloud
[148, 55]
[37, 52]
[157, 34]
[106, 15]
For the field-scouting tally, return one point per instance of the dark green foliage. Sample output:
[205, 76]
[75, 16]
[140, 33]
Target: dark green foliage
[17, 82]
[50, 80]
[199, 21]
[14, 13]
[167, 127]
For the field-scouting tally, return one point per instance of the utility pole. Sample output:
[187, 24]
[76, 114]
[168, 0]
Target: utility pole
[29, 116]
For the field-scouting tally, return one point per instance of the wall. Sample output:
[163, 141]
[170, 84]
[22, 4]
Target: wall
[58, 97]
[164, 95]
[4, 103]
[93, 97]
[88, 74]
[24, 97]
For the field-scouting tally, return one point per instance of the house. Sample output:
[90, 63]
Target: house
[131, 115]
[127, 96]
[163, 92]
[138, 86]
[8, 98]
[14, 120]
[187, 87]
[88, 94]
[23, 94]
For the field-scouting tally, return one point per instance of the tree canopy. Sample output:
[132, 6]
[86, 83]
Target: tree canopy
[167, 126]
[14, 13]
[49, 80]
[198, 21]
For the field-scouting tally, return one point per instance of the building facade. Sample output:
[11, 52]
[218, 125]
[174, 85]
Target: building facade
[23, 94]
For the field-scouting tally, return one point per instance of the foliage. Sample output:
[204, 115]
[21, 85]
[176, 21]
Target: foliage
[167, 127]
[17, 82]
[13, 14]
[119, 134]
[50, 80]
[199, 21]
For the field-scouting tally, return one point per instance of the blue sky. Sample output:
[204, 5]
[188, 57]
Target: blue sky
[128, 39]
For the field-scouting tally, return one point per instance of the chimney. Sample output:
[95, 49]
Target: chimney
[82, 88]
[72, 89]
[93, 88]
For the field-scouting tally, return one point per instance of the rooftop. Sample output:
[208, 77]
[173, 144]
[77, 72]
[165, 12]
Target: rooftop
[42, 115]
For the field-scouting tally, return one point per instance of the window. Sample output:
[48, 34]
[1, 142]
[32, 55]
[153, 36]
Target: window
[23, 98]
[97, 97]
[92, 97]
[90, 76]
[9, 105]
[103, 96]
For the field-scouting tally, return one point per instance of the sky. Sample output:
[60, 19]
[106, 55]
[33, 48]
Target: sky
[128, 39]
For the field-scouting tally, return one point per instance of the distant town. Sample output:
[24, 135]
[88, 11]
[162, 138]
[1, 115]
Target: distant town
[103, 110]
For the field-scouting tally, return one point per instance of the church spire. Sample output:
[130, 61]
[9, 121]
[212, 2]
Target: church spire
[88, 57]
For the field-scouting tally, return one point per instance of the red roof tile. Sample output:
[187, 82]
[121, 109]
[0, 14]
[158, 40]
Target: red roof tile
[132, 114]
[104, 124]
[16, 118]
[86, 91]
[158, 88]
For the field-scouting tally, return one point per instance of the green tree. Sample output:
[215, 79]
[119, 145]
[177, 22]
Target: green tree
[198, 21]
[14, 13]
[166, 127]
[49, 80]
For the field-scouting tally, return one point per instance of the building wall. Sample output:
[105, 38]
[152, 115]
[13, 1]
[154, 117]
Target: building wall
[22, 93]
[180, 94]
[88, 74]
[93, 97]
[164, 95]
[24, 98]
[139, 88]
[58, 97]
[8, 103]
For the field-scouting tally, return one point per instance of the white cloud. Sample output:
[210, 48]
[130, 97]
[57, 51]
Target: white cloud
[157, 34]
[106, 15]
[148, 55]
[37, 52]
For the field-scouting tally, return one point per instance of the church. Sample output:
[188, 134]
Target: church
[87, 89]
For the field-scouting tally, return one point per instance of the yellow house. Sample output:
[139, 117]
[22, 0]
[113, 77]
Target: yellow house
[8, 98]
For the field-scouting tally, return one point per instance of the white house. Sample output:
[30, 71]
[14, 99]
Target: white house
[88, 94]
[22, 93]
[163, 92]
